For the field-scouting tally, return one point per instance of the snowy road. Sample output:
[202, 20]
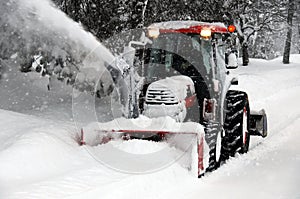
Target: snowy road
[39, 158]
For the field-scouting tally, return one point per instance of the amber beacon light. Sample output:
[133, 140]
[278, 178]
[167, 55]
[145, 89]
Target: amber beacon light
[231, 28]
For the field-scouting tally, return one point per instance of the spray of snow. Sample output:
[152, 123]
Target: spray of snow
[55, 20]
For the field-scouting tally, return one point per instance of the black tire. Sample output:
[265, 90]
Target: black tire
[213, 138]
[236, 124]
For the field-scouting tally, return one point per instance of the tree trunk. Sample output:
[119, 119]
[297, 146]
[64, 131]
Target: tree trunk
[245, 54]
[243, 41]
[299, 36]
[287, 47]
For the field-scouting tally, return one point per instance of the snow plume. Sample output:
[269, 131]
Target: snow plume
[37, 27]
[40, 25]
[54, 20]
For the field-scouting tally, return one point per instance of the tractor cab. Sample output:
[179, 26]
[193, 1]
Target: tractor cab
[192, 50]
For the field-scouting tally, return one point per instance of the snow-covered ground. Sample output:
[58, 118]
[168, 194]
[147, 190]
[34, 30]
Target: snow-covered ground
[40, 158]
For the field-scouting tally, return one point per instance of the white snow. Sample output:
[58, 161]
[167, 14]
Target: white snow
[183, 24]
[40, 158]
[139, 146]
[176, 84]
[175, 88]
[155, 124]
[54, 19]
[94, 131]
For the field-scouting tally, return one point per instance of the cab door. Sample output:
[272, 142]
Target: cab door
[220, 82]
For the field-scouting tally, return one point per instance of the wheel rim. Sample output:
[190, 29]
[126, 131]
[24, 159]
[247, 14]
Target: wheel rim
[218, 146]
[245, 125]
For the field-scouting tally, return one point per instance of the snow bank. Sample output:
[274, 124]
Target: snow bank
[29, 152]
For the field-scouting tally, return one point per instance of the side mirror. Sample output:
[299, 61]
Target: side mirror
[231, 61]
[144, 40]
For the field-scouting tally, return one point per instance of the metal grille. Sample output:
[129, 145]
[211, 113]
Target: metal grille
[161, 96]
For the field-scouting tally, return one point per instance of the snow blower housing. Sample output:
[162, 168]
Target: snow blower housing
[186, 77]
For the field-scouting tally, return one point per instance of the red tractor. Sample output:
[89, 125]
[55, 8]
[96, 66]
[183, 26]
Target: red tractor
[186, 69]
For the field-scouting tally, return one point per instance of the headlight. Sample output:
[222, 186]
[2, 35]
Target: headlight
[153, 32]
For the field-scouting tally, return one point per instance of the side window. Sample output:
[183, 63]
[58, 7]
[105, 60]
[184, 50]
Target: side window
[206, 51]
[220, 55]
[196, 43]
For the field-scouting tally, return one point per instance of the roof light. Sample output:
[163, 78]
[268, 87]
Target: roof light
[205, 33]
[153, 32]
[231, 28]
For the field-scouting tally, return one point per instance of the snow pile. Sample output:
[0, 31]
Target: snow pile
[26, 145]
[94, 132]
[144, 123]
[141, 156]
[139, 146]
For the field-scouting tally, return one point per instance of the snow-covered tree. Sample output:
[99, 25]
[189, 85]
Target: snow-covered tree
[254, 19]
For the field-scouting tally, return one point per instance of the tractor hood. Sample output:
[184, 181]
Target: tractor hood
[176, 87]
[167, 97]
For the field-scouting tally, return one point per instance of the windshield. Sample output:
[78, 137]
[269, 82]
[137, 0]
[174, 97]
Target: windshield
[179, 54]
